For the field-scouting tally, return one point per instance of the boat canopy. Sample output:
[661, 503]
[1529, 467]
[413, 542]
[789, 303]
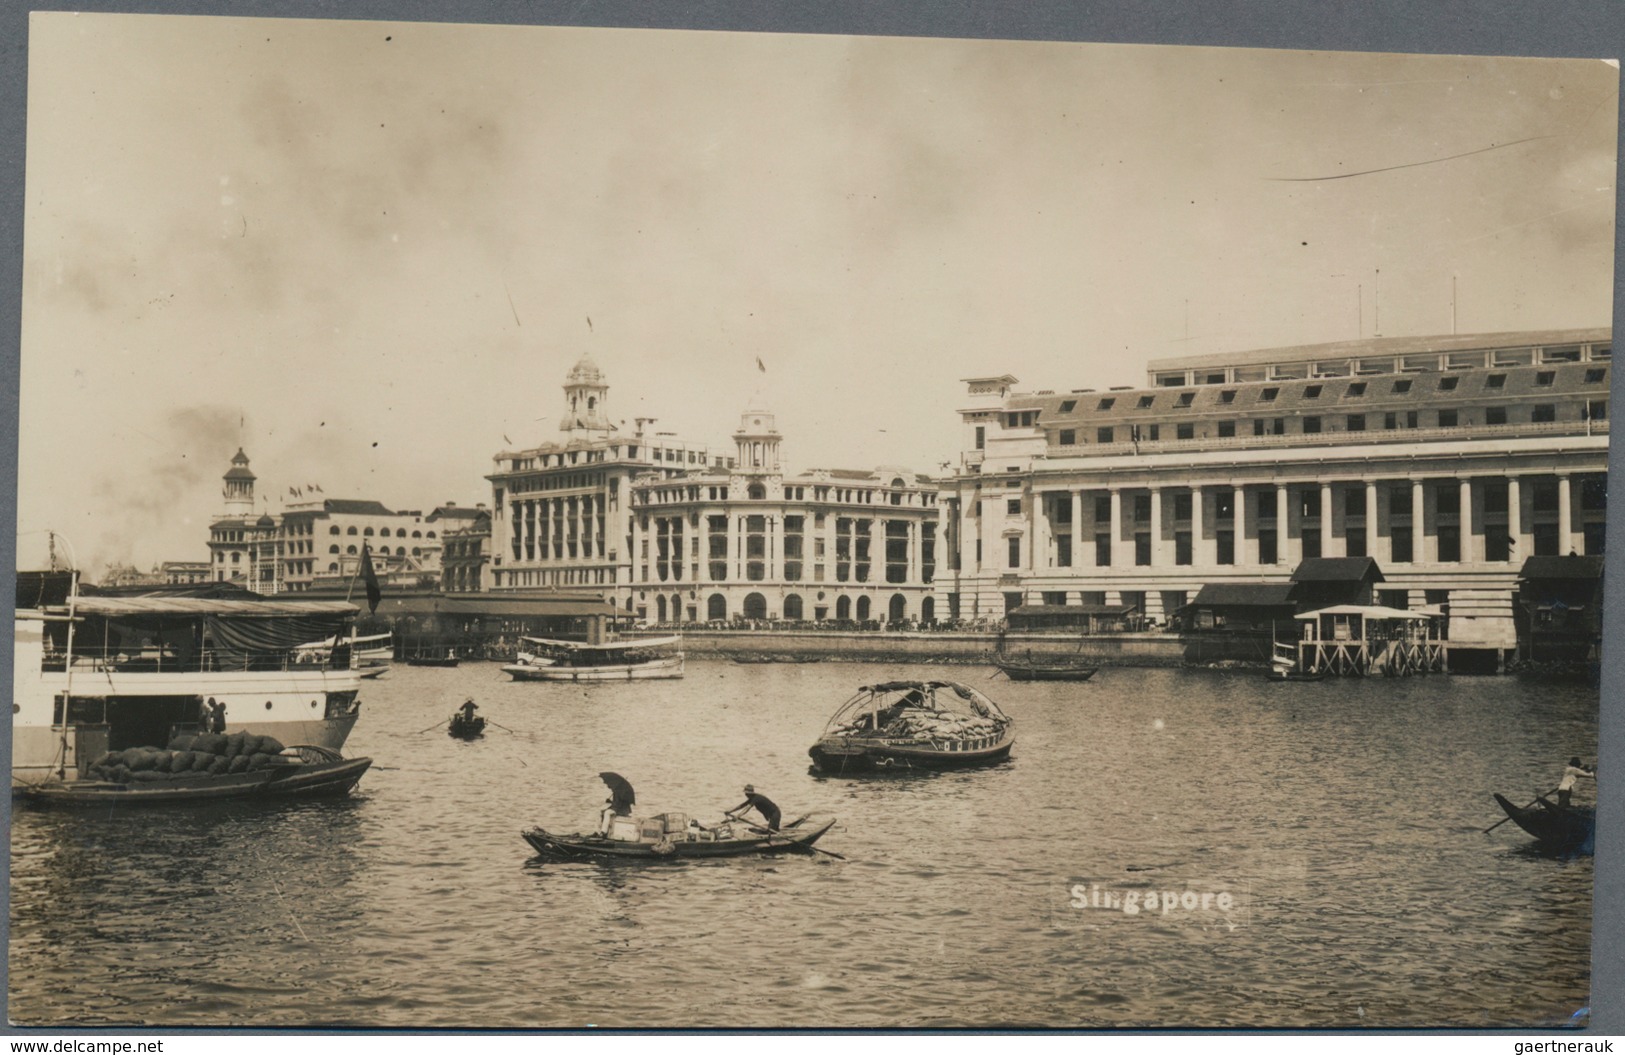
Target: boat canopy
[621, 646]
[123, 607]
[945, 696]
[184, 627]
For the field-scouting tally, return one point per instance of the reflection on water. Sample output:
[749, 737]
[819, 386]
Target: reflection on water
[1343, 819]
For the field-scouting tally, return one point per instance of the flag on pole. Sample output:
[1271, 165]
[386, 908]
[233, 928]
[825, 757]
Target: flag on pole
[370, 578]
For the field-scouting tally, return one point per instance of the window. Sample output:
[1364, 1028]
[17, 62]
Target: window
[1268, 395]
[1356, 390]
[1227, 429]
[1103, 434]
[1356, 423]
[1400, 540]
[1596, 375]
[1399, 500]
[1185, 432]
[1227, 396]
[1146, 401]
[1390, 420]
[1153, 432]
[1185, 399]
[1544, 378]
[1495, 415]
[1543, 412]
[1597, 410]
[1311, 424]
[981, 437]
[1449, 543]
[1447, 419]
[1182, 506]
[1012, 506]
[1448, 384]
[1495, 381]
[1103, 509]
[1106, 402]
[1015, 552]
[1402, 386]
[1311, 391]
[1067, 405]
[1068, 437]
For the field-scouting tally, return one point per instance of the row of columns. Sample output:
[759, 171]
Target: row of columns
[1289, 546]
[773, 535]
[539, 522]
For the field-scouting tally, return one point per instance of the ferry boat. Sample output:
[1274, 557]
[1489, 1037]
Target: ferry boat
[370, 652]
[136, 671]
[627, 660]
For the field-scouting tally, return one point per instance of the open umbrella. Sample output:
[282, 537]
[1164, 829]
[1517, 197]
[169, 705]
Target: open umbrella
[620, 791]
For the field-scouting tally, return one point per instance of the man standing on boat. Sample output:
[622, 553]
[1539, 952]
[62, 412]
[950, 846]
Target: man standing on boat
[762, 804]
[468, 708]
[1574, 771]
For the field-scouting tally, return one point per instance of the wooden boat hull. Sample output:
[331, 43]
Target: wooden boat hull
[852, 754]
[311, 780]
[1292, 676]
[579, 847]
[1557, 828]
[671, 667]
[418, 661]
[1044, 672]
[468, 730]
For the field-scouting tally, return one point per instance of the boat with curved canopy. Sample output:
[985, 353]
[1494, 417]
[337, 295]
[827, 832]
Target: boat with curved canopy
[907, 725]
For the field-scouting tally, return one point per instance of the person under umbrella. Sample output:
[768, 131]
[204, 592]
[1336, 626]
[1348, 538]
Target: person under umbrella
[620, 801]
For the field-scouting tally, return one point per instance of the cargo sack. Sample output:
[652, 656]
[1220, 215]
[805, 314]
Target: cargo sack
[251, 743]
[202, 761]
[234, 745]
[209, 743]
[270, 745]
[181, 761]
[140, 759]
[258, 760]
[182, 743]
[237, 764]
[220, 764]
[148, 776]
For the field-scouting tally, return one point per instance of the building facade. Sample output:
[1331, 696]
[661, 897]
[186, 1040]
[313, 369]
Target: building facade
[747, 541]
[561, 517]
[315, 543]
[1450, 460]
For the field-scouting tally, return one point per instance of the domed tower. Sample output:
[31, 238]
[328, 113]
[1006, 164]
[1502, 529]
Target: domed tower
[585, 396]
[757, 442]
[239, 489]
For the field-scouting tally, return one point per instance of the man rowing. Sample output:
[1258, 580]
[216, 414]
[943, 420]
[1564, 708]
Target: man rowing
[1572, 772]
[761, 804]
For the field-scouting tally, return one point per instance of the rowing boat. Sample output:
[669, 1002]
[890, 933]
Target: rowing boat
[722, 841]
[308, 773]
[1559, 829]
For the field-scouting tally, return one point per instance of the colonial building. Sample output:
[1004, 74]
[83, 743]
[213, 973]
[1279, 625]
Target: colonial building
[560, 513]
[1450, 460]
[746, 540]
[464, 554]
[316, 542]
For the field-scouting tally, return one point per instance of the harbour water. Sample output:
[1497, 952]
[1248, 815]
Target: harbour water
[1343, 819]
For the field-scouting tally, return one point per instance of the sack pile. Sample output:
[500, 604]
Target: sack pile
[940, 725]
[189, 756]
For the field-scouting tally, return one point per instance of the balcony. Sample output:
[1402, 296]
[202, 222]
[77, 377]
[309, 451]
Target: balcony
[1368, 437]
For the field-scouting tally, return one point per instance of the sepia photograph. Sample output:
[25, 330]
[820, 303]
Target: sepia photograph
[554, 527]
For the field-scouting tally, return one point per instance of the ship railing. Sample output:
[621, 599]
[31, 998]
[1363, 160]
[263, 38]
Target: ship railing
[149, 661]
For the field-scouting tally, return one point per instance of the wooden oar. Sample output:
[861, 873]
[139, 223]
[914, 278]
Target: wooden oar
[436, 725]
[1508, 817]
[771, 835]
[504, 728]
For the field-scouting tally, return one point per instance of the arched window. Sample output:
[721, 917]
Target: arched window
[400, 551]
[897, 481]
[400, 532]
[755, 606]
[863, 609]
[899, 607]
[351, 531]
[660, 608]
[677, 608]
[334, 530]
[792, 607]
[843, 608]
[431, 534]
[350, 550]
[332, 568]
[716, 607]
[757, 492]
[368, 533]
[928, 610]
[333, 549]
[417, 551]
[417, 534]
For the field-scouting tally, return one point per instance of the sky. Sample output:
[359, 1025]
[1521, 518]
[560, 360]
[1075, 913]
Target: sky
[368, 253]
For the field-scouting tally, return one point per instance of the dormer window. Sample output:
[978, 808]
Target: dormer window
[1067, 405]
[1402, 386]
[1185, 399]
[1357, 389]
[1545, 378]
[1595, 376]
[1268, 395]
[1146, 401]
[1106, 403]
[1311, 392]
[1448, 384]
[1227, 396]
[1495, 381]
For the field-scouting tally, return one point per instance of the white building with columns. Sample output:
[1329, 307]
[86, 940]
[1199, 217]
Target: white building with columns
[1450, 460]
[748, 541]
